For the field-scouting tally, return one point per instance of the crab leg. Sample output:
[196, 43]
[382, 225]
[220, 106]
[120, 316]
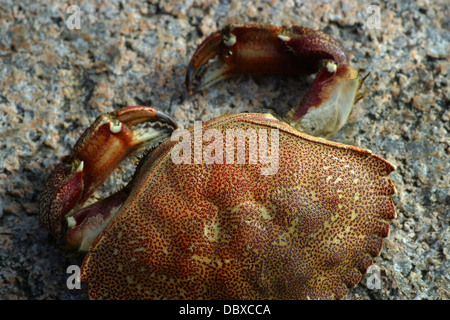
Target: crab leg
[265, 49]
[100, 149]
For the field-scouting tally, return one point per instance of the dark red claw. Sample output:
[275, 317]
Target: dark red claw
[97, 153]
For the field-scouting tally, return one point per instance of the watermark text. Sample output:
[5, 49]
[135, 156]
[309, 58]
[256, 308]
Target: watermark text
[237, 147]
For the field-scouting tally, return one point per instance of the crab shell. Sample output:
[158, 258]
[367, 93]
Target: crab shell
[226, 231]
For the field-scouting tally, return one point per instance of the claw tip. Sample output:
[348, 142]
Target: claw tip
[115, 127]
[230, 40]
[284, 38]
[80, 166]
[331, 67]
[71, 222]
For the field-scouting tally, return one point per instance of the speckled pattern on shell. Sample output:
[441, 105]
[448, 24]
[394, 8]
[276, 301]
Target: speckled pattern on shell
[224, 231]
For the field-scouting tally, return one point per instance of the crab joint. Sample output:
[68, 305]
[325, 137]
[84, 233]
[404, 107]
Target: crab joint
[331, 66]
[80, 167]
[71, 222]
[284, 38]
[229, 40]
[115, 126]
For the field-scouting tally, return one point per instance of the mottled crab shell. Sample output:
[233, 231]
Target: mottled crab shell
[224, 231]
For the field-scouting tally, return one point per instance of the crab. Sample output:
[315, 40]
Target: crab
[200, 227]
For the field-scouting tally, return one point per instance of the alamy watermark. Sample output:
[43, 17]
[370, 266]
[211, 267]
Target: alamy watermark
[230, 149]
[374, 277]
[374, 20]
[74, 20]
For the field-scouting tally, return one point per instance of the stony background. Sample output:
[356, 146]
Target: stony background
[54, 81]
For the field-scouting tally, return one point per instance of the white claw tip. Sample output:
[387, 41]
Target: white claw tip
[71, 222]
[80, 166]
[331, 67]
[115, 128]
[230, 40]
[284, 38]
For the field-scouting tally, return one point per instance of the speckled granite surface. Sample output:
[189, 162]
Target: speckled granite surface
[54, 81]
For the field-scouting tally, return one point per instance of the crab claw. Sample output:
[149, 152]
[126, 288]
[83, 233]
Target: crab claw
[265, 49]
[100, 149]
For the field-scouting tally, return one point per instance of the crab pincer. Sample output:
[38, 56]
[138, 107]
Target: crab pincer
[256, 48]
[109, 140]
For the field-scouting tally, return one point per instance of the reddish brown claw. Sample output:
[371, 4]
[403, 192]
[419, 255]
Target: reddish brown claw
[266, 49]
[97, 153]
